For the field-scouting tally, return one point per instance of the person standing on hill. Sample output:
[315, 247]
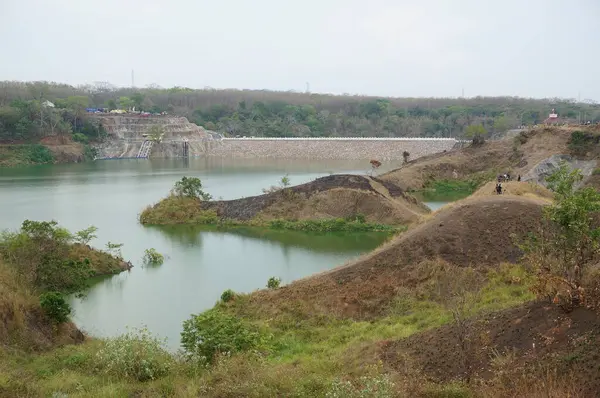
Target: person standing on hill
[519, 178]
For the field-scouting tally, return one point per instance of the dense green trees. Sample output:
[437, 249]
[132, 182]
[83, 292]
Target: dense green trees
[268, 113]
[32, 120]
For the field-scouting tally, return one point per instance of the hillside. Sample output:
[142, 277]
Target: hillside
[269, 113]
[508, 350]
[515, 155]
[476, 232]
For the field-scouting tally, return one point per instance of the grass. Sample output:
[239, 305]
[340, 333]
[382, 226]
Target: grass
[24, 154]
[182, 210]
[178, 210]
[305, 356]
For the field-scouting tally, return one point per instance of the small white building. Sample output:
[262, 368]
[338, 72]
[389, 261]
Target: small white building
[47, 104]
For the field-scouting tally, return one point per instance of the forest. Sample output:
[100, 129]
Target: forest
[273, 113]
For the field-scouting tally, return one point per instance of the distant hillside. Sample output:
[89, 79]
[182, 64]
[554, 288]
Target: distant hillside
[271, 113]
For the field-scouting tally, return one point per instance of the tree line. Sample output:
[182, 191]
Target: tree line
[26, 121]
[289, 114]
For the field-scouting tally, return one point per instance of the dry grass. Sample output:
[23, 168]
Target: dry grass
[101, 262]
[177, 210]
[495, 156]
[344, 203]
[514, 188]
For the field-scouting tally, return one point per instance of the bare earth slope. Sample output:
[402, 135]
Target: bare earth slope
[493, 156]
[532, 335]
[474, 232]
[336, 196]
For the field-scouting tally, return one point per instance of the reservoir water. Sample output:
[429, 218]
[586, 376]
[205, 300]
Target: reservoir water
[201, 262]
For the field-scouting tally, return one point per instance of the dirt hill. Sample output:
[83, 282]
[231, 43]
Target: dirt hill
[513, 343]
[335, 196]
[511, 154]
[514, 188]
[474, 232]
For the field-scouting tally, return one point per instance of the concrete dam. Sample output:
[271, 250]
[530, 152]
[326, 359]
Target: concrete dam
[128, 138]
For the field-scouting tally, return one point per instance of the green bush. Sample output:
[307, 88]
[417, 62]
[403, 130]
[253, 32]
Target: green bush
[216, 332]
[273, 282]
[331, 225]
[55, 306]
[359, 218]
[152, 257]
[54, 273]
[227, 296]
[190, 187]
[40, 154]
[78, 137]
[580, 142]
[137, 354]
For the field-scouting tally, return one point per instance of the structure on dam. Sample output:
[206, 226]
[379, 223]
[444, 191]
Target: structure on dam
[130, 137]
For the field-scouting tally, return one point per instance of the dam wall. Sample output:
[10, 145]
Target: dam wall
[330, 148]
[127, 133]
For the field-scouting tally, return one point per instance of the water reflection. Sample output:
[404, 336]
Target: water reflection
[191, 235]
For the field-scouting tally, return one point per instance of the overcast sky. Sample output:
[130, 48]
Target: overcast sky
[532, 48]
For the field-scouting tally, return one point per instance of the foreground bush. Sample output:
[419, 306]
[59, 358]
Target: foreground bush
[135, 354]
[52, 259]
[55, 306]
[215, 332]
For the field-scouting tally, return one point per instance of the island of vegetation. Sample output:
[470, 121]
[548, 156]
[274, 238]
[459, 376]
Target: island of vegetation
[349, 203]
[490, 296]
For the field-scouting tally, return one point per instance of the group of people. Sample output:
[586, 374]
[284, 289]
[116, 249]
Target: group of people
[502, 178]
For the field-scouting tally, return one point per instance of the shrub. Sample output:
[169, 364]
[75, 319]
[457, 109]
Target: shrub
[85, 235]
[215, 332]
[137, 354]
[273, 282]
[78, 137]
[359, 218]
[227, 296]
[152, 257]
[190, 187]
[40, 154]
[581, 141]
[54, 273]
[55, 306]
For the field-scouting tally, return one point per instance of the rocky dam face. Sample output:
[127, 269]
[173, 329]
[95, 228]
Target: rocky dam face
[128, 138]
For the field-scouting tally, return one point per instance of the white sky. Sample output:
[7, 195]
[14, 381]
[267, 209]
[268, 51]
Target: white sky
[532, 48]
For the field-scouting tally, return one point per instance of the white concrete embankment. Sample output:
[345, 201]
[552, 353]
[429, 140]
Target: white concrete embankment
[330, 148]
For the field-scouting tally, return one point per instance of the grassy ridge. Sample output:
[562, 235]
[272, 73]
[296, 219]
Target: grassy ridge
[303, 355]
[183, 210]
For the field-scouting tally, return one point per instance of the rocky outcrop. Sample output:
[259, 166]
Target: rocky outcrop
[126, 135]
[547, 166]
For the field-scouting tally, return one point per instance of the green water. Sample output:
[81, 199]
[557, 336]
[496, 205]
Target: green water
[201, 262]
